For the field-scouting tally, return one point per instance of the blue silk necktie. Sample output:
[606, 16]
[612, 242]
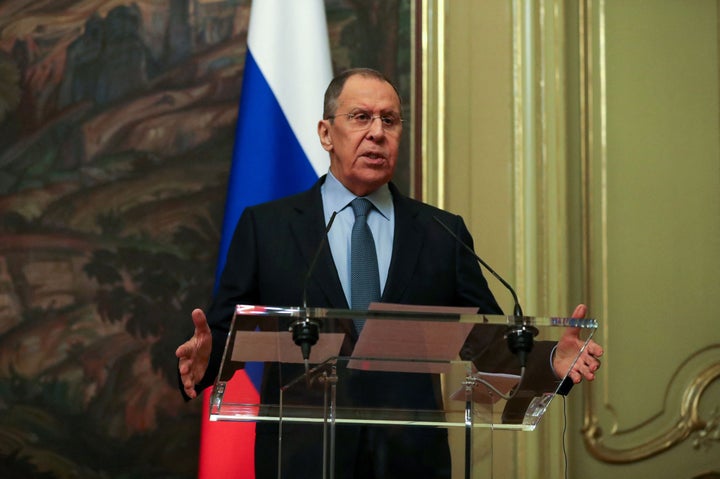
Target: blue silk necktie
[364, 276]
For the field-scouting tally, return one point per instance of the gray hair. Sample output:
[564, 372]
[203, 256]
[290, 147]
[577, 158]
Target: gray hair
[337, 84]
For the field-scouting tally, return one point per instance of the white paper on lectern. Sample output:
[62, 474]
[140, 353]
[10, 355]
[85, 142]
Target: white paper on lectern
[275, 346]
[423, 346]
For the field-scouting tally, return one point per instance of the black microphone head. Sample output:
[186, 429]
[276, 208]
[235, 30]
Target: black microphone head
[305, 334]
[520, 339]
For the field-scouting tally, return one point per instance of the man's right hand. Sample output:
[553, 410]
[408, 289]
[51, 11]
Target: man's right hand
[194, 354]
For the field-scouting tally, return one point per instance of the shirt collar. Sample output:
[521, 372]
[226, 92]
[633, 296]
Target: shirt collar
[338, 197]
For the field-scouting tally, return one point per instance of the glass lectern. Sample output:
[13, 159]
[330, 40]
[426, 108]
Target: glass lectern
[399, 367]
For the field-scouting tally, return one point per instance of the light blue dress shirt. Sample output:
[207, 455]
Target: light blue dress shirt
[381, 219]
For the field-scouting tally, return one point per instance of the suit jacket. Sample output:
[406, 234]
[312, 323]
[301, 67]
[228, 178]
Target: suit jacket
[274, 244]
[270, 256]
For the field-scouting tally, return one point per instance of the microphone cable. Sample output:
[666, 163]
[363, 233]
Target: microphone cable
[564, 430]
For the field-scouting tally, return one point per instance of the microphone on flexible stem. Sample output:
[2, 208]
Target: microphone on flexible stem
[519, 336]
[305, 331]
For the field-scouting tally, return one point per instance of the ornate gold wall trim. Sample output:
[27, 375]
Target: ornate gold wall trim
[689, 424]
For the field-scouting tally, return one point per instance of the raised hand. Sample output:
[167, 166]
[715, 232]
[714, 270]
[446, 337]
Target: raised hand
[567, 349]
[194, 354]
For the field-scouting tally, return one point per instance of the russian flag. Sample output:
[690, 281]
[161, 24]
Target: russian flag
[277, 153]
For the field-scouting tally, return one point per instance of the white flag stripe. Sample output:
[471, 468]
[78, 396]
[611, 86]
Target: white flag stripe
[288, 48]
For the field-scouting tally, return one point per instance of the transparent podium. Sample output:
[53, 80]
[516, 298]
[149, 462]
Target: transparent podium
[410, 372]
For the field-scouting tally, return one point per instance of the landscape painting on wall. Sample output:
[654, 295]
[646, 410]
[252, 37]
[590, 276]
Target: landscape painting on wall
[117, 122]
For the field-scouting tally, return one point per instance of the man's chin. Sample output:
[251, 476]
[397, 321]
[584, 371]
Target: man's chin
[367, 183]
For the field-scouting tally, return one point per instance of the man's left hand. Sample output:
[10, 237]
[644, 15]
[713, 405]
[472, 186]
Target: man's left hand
[567, 350]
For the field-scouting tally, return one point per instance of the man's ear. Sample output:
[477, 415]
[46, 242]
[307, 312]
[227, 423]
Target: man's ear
[324, 135]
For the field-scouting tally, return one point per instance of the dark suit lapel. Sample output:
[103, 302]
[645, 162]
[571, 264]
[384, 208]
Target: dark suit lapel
[308, 229]
[407, 244]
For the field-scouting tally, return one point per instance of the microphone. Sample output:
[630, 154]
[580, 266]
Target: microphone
[305, 330]
[519, 336]
[517, 310]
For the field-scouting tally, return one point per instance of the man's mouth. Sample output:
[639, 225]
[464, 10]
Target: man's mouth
[373, 156]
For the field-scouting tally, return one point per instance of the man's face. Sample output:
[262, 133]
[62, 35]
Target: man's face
[363, 159]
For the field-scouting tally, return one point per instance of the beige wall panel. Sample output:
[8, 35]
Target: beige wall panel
[478, 127]
[634, 171]
[478, 123]
[481, 168]
[654, 237]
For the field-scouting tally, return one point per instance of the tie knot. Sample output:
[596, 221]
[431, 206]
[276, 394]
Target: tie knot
[360, 206]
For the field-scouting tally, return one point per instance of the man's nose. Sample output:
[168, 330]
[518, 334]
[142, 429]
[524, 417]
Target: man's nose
[376, 127]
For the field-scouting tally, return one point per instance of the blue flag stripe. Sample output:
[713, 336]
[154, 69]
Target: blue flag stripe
[268, 161]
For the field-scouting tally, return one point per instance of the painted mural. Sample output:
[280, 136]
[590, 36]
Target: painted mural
[116, 134]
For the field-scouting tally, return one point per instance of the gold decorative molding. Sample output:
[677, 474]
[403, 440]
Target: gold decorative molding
[710, 433]
[431, 105]
[690, 424]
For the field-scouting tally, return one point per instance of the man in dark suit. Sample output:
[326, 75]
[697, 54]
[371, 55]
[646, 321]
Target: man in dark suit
[418, 263]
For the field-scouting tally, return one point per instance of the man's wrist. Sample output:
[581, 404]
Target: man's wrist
[552, 362]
